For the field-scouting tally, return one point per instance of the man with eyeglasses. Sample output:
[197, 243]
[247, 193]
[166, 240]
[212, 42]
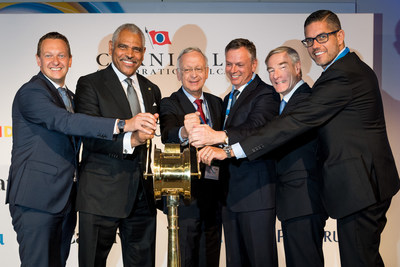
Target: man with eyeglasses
[200, 226]
[354, 156]
[248, 214]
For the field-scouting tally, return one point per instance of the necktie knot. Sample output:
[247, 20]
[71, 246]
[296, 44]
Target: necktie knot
[199, 103]
[282, 106]
[235, 94]
[129, 81]
[67, 101]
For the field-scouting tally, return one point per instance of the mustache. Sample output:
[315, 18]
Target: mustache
[129, 59]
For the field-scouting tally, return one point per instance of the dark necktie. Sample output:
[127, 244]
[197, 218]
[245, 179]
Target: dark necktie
[199, 103]
[282, 106]
[75, 140]
[235, 94]
[66, 99]
[132, 97]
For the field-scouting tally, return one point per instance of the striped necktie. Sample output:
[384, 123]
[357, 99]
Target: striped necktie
[67, 101]
[132, 97]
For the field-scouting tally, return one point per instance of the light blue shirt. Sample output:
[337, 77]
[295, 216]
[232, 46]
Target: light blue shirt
[237, 148]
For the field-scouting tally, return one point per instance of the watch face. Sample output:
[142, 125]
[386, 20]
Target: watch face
[121, 125]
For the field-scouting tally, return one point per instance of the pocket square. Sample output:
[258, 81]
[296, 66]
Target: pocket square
[154, 104]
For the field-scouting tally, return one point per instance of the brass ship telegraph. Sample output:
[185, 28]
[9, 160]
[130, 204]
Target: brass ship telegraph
[171, 178]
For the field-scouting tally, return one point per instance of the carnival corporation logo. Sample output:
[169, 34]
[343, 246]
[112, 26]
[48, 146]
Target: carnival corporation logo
[163, 63]
[158, 37]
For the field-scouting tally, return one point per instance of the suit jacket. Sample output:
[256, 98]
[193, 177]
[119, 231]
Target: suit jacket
[172, 112]
[43, 154]
[109, 179]
[297, 190]
[250, 185]
[354, 155]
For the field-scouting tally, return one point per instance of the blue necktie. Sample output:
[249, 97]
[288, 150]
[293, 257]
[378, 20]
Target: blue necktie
[66, 99]
[282, 106]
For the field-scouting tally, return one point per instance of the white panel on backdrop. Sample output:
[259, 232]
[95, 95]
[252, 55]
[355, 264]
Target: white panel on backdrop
[89, 35]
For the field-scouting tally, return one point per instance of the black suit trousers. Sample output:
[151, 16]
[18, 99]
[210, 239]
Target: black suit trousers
[302, 240]
[360, 234]
[250, 238]
[137, 234]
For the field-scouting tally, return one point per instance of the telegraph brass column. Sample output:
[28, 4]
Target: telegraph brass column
[174, 253]
[172, 179]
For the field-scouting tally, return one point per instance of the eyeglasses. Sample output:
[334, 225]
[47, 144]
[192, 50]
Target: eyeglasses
[320, 38]
[196, 70]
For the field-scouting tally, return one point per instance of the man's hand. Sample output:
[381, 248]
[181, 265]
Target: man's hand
[139, 138]
[144, 122]
[204, 135]
[209, 153]
[191, 120]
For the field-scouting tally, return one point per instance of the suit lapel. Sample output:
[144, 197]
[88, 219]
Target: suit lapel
[297, 97]
[114, 87]
[185, 103]
[52, 90]
[242, 98]
[215, 117]
[147, 94]
[75, 141]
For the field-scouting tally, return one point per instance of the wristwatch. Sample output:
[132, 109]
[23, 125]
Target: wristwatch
[121, 125]
[228, 150]
[226, 140]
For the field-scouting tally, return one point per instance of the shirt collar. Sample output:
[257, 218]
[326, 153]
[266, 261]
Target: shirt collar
[190, 97]
[53, 83]
[341, 54]
[122, 76]
[241, 88]
[289, 95]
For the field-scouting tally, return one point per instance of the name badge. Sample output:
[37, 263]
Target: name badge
[212, 172]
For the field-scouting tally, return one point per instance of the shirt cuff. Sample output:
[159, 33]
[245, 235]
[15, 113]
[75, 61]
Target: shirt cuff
[116, 130]
[128, 149]
[184, 141]
[238, 151]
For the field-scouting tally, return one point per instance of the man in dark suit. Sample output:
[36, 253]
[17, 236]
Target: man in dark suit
[42, 183]
[200, 226]
[354, 156]
[298, 203]
[249, 214]
[112, 193]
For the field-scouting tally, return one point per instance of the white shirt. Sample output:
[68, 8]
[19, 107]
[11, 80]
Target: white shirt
[127, 148]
